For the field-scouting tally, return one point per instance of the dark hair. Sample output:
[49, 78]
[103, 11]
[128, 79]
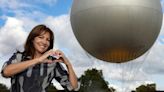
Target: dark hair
[29, 49]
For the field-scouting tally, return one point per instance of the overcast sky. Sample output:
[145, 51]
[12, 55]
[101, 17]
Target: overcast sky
[18, 17]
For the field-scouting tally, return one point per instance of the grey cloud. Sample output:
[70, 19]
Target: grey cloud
[161, 35]
[25, 7]
[12, 36]
[12, 4]
[155, 60]
[18, 4]
[154, 67]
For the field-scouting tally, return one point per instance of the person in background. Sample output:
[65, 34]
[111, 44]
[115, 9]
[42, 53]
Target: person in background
[34, 69]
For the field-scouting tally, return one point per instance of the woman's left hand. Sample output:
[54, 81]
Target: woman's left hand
[71, 73]
[61, 57]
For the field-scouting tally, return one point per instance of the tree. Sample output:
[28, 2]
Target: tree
[93, 81]
[51, 88]
[3, 88]
[146, 88]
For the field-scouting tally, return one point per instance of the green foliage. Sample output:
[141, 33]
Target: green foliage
[3, 88]
[51, 88]
[146, 88]
[93, 81]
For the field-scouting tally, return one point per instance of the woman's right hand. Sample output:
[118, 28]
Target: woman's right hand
[44, 59]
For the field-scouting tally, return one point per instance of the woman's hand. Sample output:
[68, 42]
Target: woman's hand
[44, 57]
[61, 57]
[72, 75]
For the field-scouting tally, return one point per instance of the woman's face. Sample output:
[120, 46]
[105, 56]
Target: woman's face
[41, 42]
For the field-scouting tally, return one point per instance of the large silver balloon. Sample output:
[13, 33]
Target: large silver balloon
[116, 30]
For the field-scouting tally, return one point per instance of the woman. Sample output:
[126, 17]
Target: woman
[32, 71]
